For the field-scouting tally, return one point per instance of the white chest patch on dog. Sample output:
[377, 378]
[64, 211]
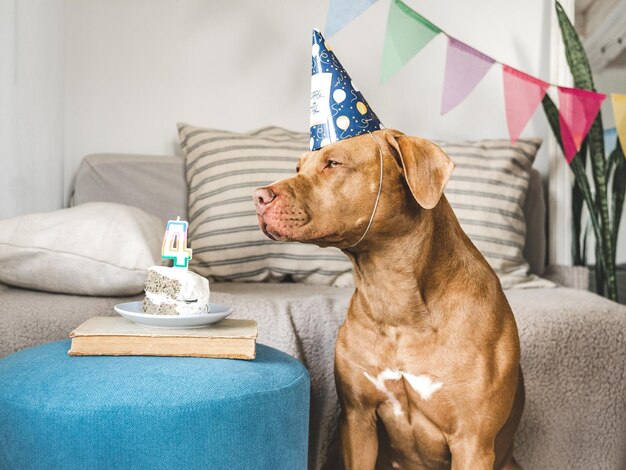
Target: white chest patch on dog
[422, 384]
[379, 383]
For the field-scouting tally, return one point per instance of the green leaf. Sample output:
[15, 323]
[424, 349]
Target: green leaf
[598, 167]
[579, 253]
[583, 249]
[610, 163]
[618, 189]
[574, 52]
[583, 78]
[599, 273]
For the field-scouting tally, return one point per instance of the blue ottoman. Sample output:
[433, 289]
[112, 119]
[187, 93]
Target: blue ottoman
[61, 412]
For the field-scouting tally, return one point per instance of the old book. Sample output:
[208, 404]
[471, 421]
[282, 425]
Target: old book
[117, 336]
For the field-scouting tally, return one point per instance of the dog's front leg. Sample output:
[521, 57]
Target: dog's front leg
[472, 454]
[359, 441]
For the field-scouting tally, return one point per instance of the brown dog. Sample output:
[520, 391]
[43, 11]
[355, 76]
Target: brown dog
[427, 360]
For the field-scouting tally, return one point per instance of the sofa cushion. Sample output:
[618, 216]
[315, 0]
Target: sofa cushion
[487, 192]
[223, 169]
[92, 249]
[535, 217]
[131, 179]
[153, 183]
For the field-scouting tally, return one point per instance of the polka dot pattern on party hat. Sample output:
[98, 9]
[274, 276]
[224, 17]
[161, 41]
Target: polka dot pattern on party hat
[338, 109]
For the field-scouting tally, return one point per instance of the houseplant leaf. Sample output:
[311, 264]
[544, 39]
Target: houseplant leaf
[583, 78]
[618, 189]
[579, 252]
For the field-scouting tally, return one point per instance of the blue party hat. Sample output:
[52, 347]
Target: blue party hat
[338, 109]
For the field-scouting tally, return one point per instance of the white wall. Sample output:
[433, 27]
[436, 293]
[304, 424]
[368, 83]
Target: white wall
[132, 68]
[31, 106]
[135, 68]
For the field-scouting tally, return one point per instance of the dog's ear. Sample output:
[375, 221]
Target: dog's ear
[426, 167]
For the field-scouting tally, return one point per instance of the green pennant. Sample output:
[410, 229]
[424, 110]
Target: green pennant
[407, 33]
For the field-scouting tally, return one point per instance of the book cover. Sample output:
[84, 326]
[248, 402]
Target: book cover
[117, 336]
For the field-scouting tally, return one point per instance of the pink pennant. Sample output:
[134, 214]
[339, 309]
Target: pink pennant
[465, 67]
[577, 111]
[522, 95]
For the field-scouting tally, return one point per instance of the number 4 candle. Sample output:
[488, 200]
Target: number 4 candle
[175, 243]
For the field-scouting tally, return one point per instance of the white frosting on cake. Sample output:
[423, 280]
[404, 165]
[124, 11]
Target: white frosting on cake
[193, 287]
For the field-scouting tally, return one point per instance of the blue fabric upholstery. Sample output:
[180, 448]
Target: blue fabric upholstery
[61, 412]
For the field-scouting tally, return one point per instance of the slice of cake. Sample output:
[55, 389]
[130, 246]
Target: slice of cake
[175, 291]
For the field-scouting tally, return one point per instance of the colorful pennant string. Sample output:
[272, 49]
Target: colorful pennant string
[522, 95]
[407, 33]
[619, 113]
[342, 12]
[577, 111]
[465, 68]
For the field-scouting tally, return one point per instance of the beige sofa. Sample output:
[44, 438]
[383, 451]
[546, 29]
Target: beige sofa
[573, 342]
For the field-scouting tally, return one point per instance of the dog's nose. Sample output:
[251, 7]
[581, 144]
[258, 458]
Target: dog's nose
[262, 197]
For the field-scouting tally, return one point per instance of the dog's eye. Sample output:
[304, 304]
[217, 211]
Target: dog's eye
[297, 168]
[332, 164]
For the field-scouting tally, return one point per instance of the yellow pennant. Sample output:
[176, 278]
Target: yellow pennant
[619, 112]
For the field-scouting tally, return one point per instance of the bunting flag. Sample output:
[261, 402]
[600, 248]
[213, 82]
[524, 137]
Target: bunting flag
[577, 111]
[522, 95]
[342, 12]
[407, 33]
[619, 112]
[465, 67]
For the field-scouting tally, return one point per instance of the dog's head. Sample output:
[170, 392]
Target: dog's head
[330, 200]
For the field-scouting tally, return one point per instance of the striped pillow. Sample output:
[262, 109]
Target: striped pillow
[223, 169]
[487, 192]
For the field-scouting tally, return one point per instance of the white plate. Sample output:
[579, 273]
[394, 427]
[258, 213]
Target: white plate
[133, 311]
